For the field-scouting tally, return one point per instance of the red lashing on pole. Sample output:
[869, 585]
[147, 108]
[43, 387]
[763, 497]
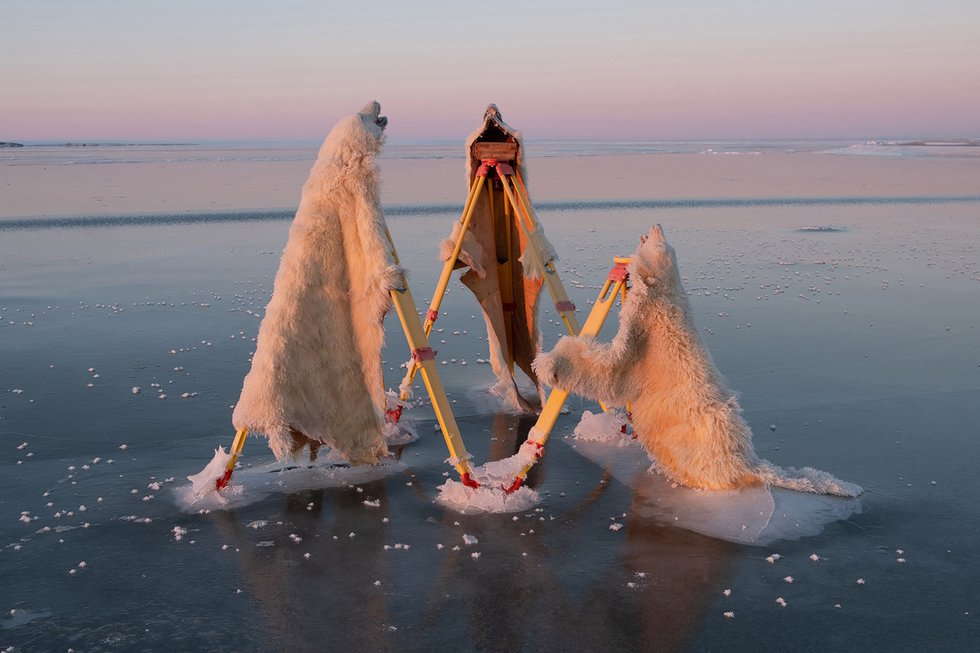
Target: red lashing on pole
[432, 316]
[485, 166]
[518, 482]
[540, 451]
[395, 414]
[565, 306]
[423, 354]
[223, 481]
[619, 273]
[468, 481]
[504, 169]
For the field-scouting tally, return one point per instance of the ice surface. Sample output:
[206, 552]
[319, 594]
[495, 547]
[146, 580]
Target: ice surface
[809, 344]
[20, 617]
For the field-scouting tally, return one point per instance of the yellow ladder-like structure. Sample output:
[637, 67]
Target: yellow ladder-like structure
[517, 208]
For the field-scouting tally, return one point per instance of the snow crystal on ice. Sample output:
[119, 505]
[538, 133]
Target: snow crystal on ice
[602, 427]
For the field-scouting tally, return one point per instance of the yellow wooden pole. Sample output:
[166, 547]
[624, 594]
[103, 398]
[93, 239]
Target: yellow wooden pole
[235, 451]
[447, 269]
[505, 273]
[423, 358]
[542, 428]
[528, 223]
[447, 272]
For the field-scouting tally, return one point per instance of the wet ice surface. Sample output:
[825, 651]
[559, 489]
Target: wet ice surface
[855, 351]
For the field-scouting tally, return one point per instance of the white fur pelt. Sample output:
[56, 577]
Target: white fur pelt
[683, 411]
[316, 373]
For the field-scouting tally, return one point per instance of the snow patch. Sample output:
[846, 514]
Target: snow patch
[493, 477]
[603, 427]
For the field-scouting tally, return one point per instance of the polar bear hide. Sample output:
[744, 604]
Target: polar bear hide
[316, 374]
[506, 283]
[683, 411]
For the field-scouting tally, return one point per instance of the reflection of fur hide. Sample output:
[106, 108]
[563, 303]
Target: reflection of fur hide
[316, 373]
[484, 251]
[683, 411]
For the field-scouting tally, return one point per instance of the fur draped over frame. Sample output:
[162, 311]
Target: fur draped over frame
[316, 374]
[505, 281]
[683, 411]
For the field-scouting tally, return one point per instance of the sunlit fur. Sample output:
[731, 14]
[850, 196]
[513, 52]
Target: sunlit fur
[683, 410]
[316, 373]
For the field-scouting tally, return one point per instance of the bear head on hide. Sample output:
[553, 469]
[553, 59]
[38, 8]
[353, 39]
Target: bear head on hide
[357, 136]
[654, 265]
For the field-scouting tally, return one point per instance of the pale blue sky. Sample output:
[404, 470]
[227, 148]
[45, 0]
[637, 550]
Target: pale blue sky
[620, 69]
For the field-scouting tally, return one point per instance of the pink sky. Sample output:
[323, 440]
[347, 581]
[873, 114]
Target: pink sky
[613, 70]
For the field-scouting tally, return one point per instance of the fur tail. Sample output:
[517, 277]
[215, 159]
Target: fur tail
[805, 479]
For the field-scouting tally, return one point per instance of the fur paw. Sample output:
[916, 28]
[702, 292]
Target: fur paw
[551, 367]
[393, 278]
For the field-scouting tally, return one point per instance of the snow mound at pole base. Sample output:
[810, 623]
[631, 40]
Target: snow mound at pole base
[203, 482]
[491, 496]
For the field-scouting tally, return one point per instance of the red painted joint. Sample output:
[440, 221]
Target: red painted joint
[223, 481]
[565, 306]
[431, 317]
[485, 166]
[619, 273]
[423, 354]
[518, 482]
[395, 414]
[504, 169]
[467, 480]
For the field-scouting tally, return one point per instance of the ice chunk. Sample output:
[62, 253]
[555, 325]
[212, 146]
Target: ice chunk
[602, 427]
[754, 515]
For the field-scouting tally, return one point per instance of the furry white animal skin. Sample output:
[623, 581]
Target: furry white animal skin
[316, 373]
[683, 411]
